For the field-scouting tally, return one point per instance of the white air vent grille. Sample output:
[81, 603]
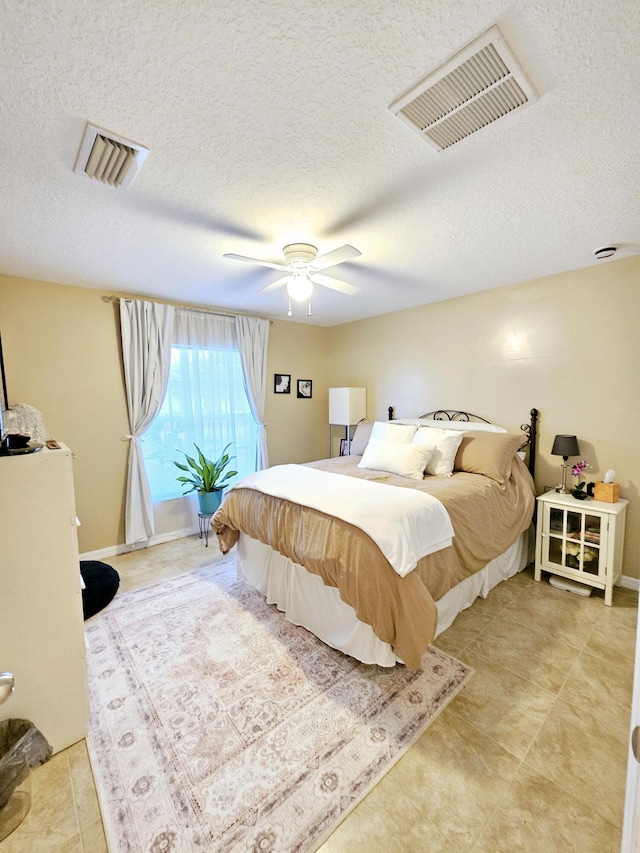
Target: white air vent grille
[108, 158]
[479, 85]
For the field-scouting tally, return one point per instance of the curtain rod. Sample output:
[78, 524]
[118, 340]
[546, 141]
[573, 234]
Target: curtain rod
[188, 308]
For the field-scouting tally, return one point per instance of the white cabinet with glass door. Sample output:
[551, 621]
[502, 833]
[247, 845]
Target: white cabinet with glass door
[580, 540]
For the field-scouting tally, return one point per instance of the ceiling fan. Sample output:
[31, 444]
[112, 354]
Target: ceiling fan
[301, 270]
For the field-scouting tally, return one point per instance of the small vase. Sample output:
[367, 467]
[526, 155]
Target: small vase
[209, 502]
[580, 494]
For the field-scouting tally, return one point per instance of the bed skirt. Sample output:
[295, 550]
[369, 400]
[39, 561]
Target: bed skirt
[306, 601]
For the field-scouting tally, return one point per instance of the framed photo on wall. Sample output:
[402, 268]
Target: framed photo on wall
[304, 389]
[282, 383]
[344, 447]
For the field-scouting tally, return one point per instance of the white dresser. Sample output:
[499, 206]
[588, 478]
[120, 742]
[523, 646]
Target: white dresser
[41, 622]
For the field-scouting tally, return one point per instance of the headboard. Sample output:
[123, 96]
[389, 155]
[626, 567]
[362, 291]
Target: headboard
[530, 429]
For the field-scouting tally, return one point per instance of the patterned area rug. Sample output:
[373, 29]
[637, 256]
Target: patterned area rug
[218, 726]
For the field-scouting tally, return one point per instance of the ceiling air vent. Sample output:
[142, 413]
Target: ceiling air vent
[109, 158]
[480, 84]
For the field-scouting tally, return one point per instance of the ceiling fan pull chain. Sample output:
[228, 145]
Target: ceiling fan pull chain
[289, 311]
[309, 309]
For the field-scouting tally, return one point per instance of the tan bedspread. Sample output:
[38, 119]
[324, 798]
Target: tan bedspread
[486, 518]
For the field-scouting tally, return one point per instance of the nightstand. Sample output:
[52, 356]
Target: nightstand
[580, 540]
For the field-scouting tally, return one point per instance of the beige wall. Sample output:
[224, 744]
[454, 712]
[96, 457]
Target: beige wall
[297, 429]
[62, 355]
[568, 345]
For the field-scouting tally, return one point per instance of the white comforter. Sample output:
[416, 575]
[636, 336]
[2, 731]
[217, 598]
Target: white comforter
[405, 524]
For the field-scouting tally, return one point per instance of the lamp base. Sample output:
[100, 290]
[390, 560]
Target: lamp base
[562, 488]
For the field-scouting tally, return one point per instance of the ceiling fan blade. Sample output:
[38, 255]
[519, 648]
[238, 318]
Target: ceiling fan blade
[334, 284]
[336, 256]
[254, 261]
[279, 282]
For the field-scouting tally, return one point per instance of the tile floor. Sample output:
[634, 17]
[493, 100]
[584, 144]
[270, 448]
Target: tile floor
[530, 756]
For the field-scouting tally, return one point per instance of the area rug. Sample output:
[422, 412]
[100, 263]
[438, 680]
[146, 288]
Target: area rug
[216, 725]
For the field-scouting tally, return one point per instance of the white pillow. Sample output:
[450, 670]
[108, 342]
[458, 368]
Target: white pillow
[408, 460]
[465, 426]
[393, 432]
[443, 445]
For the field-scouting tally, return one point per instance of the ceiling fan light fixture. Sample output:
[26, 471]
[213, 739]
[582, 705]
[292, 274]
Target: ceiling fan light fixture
[299, 286]
[301, 262]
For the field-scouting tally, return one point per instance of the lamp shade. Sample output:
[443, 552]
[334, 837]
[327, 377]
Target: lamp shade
[347, 405]
[565, 446]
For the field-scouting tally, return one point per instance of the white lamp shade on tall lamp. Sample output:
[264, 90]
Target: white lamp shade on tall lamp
[347, 406]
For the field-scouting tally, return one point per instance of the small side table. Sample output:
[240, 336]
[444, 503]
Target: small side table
[581, 540]
[204, 523]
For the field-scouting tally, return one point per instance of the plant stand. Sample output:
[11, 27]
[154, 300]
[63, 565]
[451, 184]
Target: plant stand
[204, 523]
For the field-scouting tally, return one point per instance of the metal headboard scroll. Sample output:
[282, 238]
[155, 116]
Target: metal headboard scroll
[453, 415]
[530, 430]
[446, 415]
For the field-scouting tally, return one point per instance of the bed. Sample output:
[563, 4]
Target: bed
[343, 550]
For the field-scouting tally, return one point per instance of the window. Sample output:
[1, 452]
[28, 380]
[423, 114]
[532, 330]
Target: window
[205, 404]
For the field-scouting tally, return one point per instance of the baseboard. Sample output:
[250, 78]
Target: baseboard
[629, 583]
[115, 550]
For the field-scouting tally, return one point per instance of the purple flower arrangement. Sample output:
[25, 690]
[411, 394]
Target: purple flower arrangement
[578, 469]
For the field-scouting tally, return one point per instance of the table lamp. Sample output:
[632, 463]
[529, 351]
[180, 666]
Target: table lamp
[565, 446]
[347, 406]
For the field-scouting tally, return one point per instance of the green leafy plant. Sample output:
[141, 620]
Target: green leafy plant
[205, 475]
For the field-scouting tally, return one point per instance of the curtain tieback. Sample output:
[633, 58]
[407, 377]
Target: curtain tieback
[127, 437]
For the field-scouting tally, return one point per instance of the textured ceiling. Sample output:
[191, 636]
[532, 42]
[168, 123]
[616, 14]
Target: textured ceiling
[268, 123]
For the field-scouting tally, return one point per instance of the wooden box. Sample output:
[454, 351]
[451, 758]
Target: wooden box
[608, 492]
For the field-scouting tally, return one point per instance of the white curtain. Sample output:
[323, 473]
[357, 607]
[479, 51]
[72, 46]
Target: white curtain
[147, 329]
[253, 336]
[194, 328]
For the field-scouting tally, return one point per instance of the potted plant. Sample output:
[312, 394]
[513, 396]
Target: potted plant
[206, 477]
[579, 491]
